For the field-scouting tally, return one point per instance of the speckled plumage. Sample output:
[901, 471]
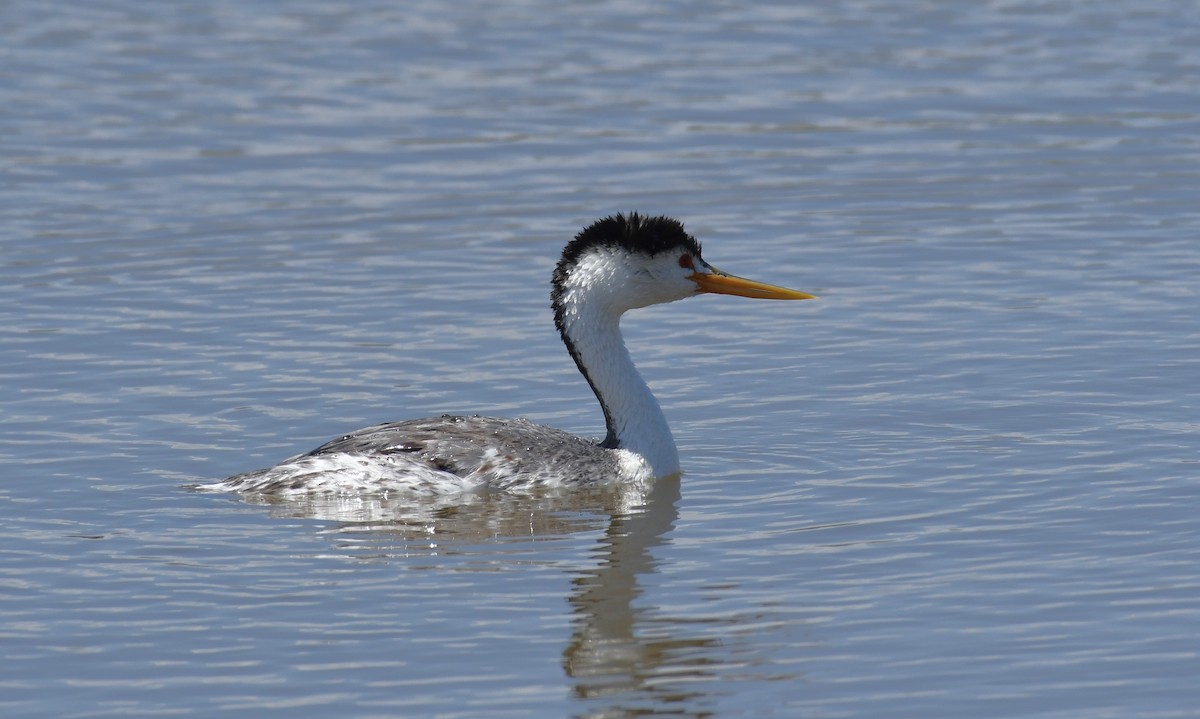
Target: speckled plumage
[440, 455]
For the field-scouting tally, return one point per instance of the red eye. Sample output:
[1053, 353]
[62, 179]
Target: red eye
[686, 261]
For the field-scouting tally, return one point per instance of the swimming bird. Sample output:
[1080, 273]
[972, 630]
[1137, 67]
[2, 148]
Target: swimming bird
[614, 265]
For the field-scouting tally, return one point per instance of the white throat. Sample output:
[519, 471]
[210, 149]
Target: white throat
[591, 305]
[635, 421]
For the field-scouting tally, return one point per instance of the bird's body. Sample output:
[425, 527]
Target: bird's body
[446, 454]
[614, 265]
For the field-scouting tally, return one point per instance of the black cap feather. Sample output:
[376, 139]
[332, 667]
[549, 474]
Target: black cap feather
[633, 233]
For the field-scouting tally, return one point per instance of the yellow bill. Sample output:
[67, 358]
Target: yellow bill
[721, 283]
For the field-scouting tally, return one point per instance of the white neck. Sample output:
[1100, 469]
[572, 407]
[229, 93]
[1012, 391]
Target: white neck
[635, 421]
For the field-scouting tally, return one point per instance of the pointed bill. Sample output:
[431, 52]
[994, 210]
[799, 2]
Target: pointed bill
[721, 283]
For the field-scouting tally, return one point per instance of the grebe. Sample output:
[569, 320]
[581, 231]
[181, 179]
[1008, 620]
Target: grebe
[614, 265]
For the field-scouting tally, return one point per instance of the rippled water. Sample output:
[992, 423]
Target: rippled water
[962, 483]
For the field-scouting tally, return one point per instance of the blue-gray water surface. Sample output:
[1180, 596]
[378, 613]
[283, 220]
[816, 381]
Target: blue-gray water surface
[962, 483]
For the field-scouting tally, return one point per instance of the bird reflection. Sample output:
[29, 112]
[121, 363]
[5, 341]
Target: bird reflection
[613, 656]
